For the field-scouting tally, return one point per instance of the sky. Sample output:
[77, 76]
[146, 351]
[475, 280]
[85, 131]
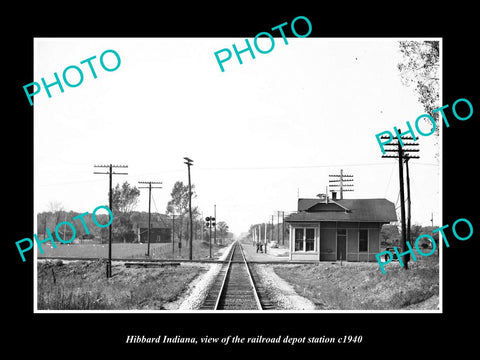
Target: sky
[260, 134]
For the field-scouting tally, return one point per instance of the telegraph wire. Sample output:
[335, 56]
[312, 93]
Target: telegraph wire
[245, 168]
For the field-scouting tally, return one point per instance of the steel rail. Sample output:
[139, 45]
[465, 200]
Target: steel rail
[257, 299]
[250, 278]
[229, 265]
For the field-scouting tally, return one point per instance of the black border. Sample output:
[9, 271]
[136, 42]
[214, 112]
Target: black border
[106, 333]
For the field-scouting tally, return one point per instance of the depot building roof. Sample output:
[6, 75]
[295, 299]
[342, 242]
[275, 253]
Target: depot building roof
[349, 210]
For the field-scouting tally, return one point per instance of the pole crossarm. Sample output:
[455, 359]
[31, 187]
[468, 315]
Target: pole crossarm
[404, 143]
[341, 183]
[404, 150]
[396, 138]
[404, 156]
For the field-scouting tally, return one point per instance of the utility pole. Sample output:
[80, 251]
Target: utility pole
[340, 183]
[189, 163]
[266, 225]
[110, 173]
[202, 226]
[402, 201]
[409, 206]
[64, 226]
[270, 238]
[215, 228]
[271, 235]
[173, 235]
[45, 226]
[149, 187]
[283, 227]
[402, 154]
[278, 227]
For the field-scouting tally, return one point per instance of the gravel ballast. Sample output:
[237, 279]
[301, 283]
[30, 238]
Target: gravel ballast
[280, 292]
[198, 289]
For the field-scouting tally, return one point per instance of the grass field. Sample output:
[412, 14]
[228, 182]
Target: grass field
[129, 251]
[362, 286]
[82, 285]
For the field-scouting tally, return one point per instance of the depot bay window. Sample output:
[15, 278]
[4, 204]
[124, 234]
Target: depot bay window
[304, 239]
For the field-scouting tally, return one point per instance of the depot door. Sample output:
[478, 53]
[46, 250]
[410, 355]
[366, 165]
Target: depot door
[341, 244]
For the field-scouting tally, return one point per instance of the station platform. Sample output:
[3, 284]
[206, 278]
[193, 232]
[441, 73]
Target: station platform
[272, 255]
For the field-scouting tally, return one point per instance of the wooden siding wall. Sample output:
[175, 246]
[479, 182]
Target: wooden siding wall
[352, 245]
[373, 248]
[328, 244]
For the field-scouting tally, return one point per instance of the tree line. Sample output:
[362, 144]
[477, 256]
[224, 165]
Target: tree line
[390, 235]
[126, 220]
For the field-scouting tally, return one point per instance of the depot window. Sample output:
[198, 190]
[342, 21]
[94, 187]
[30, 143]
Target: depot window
[363, 240]
[304, 239]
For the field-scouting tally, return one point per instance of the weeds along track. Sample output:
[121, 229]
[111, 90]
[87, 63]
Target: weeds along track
[235, 287]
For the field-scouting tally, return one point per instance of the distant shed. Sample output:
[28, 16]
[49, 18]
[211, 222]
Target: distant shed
[346, 229]
[159, 232]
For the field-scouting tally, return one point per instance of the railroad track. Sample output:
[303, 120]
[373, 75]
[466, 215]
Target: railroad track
[235, 287]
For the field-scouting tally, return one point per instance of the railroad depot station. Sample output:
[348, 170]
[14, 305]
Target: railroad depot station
[338, 229]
